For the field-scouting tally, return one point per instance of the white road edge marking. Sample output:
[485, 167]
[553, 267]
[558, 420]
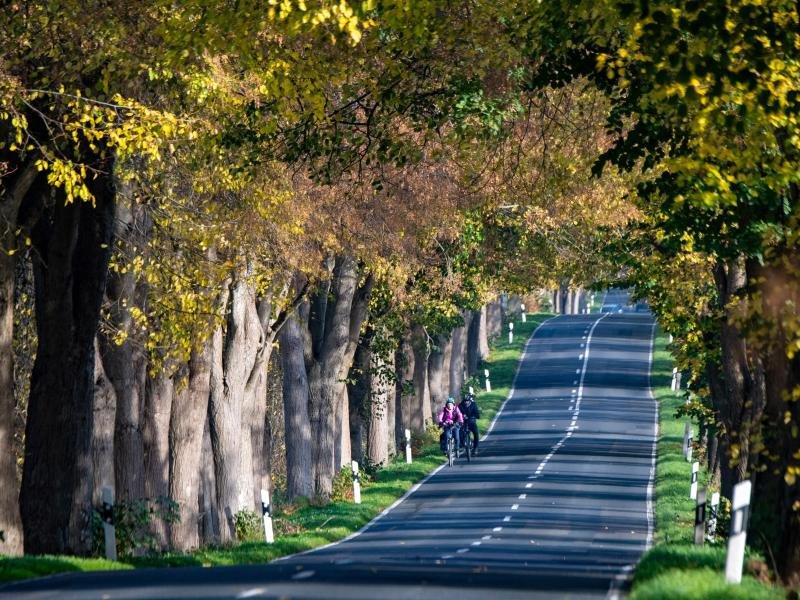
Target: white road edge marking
[251, 593]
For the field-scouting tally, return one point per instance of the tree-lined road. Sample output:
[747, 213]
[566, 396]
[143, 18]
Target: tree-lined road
[558, 504]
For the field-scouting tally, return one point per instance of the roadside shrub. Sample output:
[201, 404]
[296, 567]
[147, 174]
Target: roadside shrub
[248, 526]
[342, 485]
[133, 523]
[420, 439]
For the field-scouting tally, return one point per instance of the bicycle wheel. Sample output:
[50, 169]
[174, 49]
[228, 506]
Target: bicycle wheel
[451, 450]
[468, 444]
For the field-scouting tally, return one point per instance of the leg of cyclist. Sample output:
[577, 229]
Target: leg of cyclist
[473, 427]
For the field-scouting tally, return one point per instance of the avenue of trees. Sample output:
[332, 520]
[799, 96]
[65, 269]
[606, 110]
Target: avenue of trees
[210, 207]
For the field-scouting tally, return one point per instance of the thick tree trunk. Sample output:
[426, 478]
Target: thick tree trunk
[155, 441]
[358, 393]
[404, 365]
[744, 393]
[15, 187]
[334, 333]
[209, 516]
[233, 363]
[10, 523]
[125, 363]
[421, 406]
[297, 424]
[391, 405]
[381, 395]
[439, 373]
[576, 301]
[473, 342]
[494, 318]
[71, 243]
[103, 409]
[483, 335]
[189, 408]
[459, 356]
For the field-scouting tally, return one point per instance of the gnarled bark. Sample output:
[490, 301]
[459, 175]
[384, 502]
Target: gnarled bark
[155, 442]
[297, 424]
[381, 395]
[421, 405]
[189, 407]
[15, 188]
[439, 372]
[71, 243]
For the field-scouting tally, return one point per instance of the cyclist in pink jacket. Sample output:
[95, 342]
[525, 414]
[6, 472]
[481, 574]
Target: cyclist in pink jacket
[450, 419]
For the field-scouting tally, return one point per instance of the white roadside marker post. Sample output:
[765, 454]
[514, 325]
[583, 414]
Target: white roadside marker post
[695, 474]
[674, 379]
[524, 315]
[471, 391]
[488, 383]
[266, 515]
[107, 514]
[510, 333]
[700, 518]
[677, 383]
[408, 446]
[356, 483]
[669, 338]
[687, 433]
[740, 514]
[712, 516]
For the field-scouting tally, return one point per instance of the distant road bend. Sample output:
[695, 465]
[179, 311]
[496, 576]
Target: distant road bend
[557, 505]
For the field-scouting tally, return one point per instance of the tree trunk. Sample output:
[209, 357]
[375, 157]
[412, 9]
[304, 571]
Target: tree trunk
[233, 363]
[125, 363]
[421, 407]
[439, 373]
[209, 515]
[189, 408]
[391, 403]
[16, 184]
[494, 319]
[297, 424]
[404, 365]
[381, 396]
[155, 442]
[483, 336]
[71, 243]
[459, 356]
[334, 334]
[358, 392]
[103, 409]
[474, 342]
[579, 295]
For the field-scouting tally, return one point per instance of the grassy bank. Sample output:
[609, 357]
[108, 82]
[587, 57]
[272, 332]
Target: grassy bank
[675, 567]
[305, 526]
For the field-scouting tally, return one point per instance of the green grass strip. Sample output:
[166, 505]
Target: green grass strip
[312, 526]
[675, 568]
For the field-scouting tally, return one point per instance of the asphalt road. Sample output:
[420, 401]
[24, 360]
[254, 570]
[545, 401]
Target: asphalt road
[557, 505]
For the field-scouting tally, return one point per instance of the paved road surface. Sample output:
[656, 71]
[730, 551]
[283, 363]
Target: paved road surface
[558, 504]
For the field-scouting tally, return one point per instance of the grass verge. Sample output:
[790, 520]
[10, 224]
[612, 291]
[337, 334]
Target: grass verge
[675, 568]
[307, 526]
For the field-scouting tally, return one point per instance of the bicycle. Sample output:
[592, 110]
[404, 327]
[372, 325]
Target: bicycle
[452, 450]
[466, 440]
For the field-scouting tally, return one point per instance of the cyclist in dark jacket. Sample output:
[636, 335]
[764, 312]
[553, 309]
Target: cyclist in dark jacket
[469, 409]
